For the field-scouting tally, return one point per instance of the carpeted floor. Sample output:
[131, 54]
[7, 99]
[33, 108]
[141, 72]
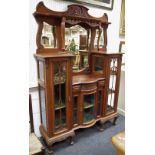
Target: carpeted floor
[91, 141]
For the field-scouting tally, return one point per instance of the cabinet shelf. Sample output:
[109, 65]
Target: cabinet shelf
[57, 107]
[57, 83]
[88, 106]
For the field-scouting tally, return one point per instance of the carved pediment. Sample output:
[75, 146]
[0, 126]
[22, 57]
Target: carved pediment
[77, 11]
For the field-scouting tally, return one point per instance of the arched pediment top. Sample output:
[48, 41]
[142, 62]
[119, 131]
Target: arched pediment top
[73, 11]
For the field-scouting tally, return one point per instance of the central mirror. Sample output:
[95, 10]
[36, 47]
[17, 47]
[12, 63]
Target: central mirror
[77, 42]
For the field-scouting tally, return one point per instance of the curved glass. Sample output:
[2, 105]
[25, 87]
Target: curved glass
[89, 102]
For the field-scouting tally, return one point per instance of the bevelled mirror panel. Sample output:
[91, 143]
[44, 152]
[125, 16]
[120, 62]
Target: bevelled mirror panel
[48, 39]
[76, 42]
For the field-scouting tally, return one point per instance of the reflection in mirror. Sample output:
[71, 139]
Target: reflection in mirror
[99, 39]
[76, 42]
[98, 65]
[48, 39]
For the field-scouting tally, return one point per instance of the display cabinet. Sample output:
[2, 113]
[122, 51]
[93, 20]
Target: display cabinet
[78, 81]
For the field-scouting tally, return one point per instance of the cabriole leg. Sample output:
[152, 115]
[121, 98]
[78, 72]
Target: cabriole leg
[103, 126]
[71, 140]
[50, 149]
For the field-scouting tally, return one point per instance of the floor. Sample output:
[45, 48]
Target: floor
[91, 141]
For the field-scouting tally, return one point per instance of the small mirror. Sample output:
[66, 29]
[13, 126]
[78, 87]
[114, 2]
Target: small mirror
[99, 38]
[48, 39]
[76, 42]
[98, 64]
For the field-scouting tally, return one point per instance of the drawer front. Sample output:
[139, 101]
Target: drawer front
[101, 83]
[87, 87]
[76, 88]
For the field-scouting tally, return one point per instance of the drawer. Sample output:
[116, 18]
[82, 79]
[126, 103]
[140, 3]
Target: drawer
[101, 83]
[87, 87]
[76, 88]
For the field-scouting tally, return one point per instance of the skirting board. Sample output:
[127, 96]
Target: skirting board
[121, 111]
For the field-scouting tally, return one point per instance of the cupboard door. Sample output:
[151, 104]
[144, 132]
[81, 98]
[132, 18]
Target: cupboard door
[89, 106]
[60, 94]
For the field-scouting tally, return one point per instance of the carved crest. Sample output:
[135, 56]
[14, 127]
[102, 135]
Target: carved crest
[78, 11]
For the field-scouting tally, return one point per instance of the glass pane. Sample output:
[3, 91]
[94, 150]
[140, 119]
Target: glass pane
[75, 115]
[48, 39]
[60, 94]
[43, 106]
[57, 120]
[112, 84]
[89, 101]
[88, 114]
[111, 101]
[41, 70]
[98, 65]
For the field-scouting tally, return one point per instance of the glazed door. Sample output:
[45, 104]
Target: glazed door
[89, 106]
[61, 94]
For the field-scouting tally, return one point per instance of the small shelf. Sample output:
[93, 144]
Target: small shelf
[57, 83]
[57, 107]
[88, 106]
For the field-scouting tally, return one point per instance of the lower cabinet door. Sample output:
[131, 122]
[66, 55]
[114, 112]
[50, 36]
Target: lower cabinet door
[88, 107]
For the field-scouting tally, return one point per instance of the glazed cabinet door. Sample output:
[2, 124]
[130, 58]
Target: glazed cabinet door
[89, 104]
[61, 87]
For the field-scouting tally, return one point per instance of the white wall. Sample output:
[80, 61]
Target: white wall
[60, 5]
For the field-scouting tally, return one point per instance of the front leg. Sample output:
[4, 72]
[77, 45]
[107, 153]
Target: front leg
[50, 149]
[102, 126]
[71, 140]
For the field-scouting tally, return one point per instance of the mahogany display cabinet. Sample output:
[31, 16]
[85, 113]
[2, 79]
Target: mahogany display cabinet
[72, 99]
